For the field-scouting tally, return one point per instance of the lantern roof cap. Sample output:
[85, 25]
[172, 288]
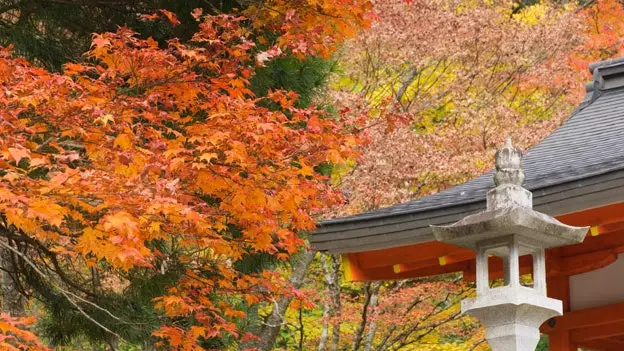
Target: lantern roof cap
[509, 212]
[534, 229]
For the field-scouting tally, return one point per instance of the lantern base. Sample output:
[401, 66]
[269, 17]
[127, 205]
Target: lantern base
[512, 316]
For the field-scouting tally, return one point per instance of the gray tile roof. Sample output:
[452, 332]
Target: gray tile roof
[588, 146]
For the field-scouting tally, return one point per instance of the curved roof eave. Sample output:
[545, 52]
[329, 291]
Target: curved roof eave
[413, 228]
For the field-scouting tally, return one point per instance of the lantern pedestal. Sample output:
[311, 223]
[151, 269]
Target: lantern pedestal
[512, 316]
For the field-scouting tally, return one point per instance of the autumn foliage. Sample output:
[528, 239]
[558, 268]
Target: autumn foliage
[603, 31]
[443, 93]
[15, 336]
[145, 158]
[155, 162]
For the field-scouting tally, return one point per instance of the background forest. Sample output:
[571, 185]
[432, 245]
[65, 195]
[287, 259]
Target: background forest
[162, 162]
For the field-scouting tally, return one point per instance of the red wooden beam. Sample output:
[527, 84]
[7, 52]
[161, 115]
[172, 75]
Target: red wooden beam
[597, 332]
[591, 244]
[585, 318]
[593, 253]
[464, 261]
[429, 251]
[606, 229]
[354, 273]
[603, 345]
[581, 263]
[596, 216]
[558, 287]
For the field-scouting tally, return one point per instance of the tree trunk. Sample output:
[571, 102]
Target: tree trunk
[325, 329]
[407, 81]
[331, 269]
[357, 339]
[12, 299]
[335, 340]
[370, 336]
[371, 291]
[301, 329]
[112, 344]
[269, 331]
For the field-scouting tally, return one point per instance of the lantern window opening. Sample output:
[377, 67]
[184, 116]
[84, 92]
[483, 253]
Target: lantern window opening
[509, 249]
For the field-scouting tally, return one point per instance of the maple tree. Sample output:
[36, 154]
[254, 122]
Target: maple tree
[14, 336]
[603, 30]
[52, 32]
[447, 91]
[152, 163]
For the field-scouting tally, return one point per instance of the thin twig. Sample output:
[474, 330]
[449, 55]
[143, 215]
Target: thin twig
[67, 293]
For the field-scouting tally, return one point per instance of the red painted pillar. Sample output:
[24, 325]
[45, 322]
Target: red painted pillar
[560, 341]
[558, 287]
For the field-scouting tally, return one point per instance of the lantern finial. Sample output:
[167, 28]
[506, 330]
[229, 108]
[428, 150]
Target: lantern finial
[508, 162]
[508, 178]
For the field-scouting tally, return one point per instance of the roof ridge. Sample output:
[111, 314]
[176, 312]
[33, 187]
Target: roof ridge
[605, 63]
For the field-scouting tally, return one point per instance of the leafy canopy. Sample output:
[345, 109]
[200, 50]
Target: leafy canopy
[149, 158]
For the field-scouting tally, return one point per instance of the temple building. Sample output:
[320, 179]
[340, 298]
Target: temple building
[576, 176]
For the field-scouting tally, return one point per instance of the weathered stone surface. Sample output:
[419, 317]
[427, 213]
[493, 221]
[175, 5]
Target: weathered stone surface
[509, 195]
[542, 230]
[508, 161]
[512, 316]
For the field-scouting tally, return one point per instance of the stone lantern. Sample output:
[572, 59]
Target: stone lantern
[510, 228]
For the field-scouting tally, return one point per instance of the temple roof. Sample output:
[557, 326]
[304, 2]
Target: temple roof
[579, 166]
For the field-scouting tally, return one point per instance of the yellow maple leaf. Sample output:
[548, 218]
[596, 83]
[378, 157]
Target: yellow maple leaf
[123, 141]
[208, 156]
[104, 119]
[49, 211]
